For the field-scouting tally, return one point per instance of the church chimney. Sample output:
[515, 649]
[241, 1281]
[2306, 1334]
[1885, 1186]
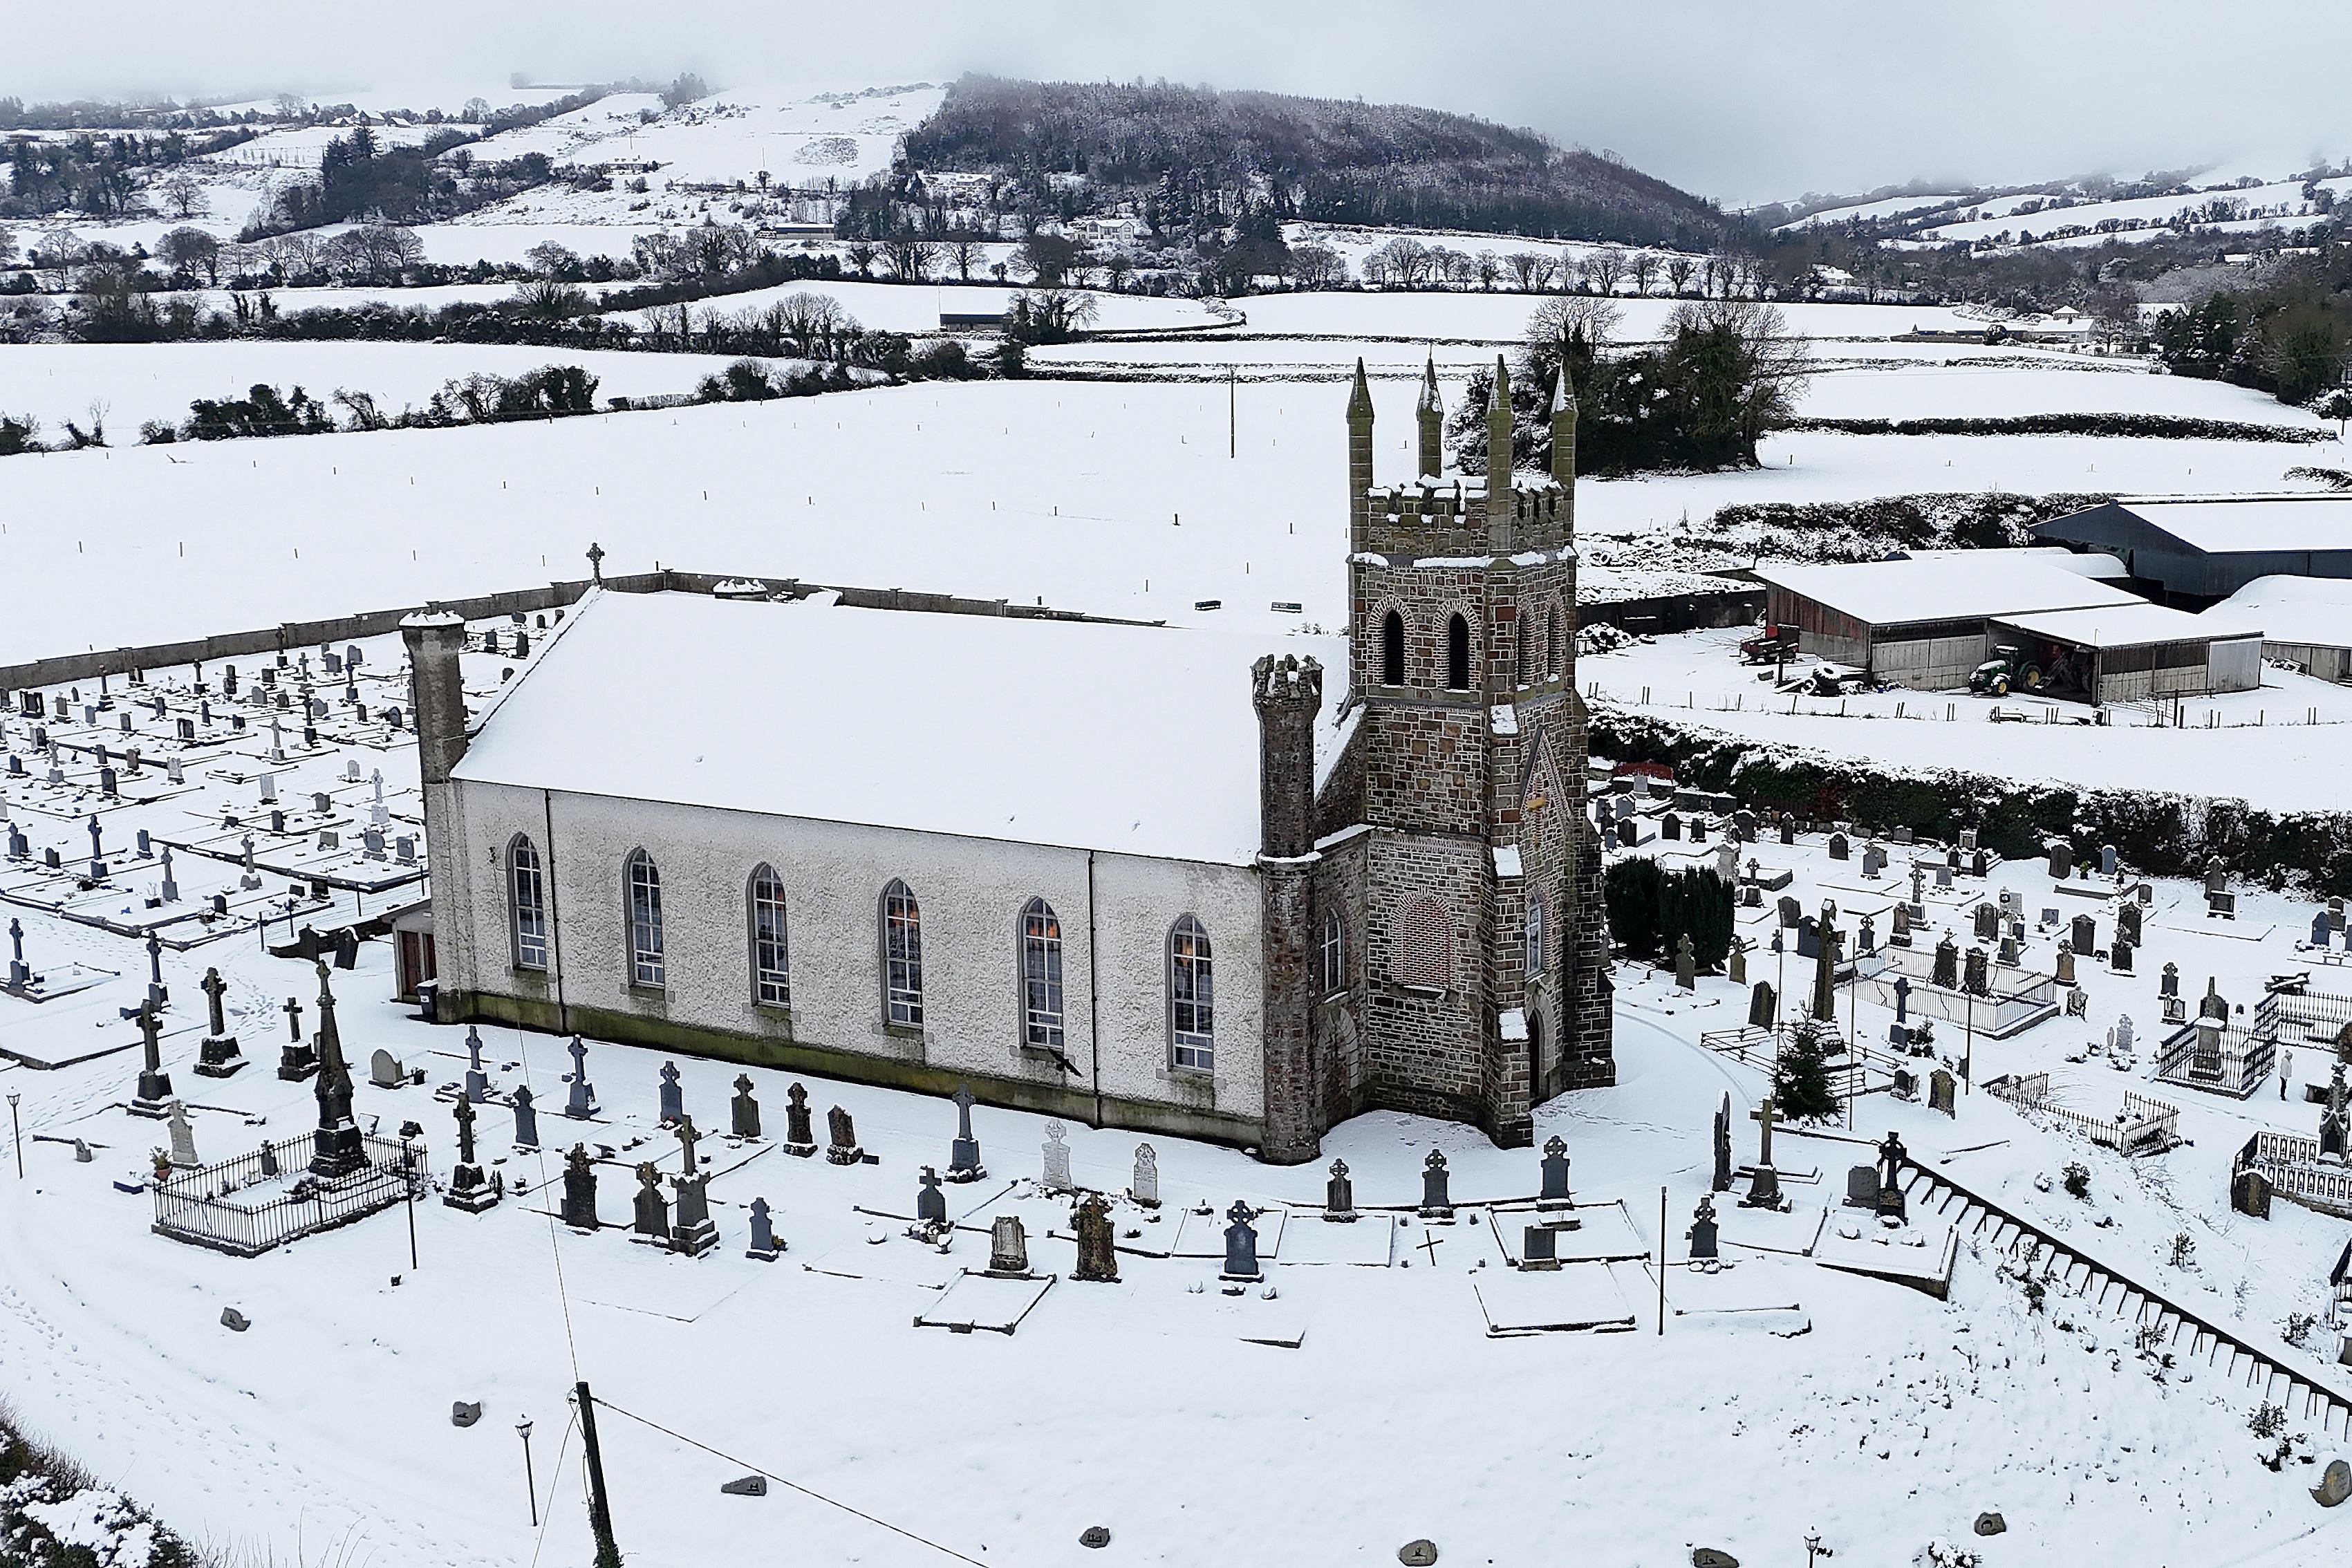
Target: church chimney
[1288, 695]
[1430, 414]
[434, 638]
[1500, 469]
[1359, 462]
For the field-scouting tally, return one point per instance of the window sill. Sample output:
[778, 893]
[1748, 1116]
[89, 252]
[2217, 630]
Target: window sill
[902, 1031]
[1196, 1078]
[773, 1013]
[657, 995]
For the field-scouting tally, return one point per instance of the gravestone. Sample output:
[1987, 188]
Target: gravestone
[1947, 972]
[1874, 860]
[1339, 1195]
[2062, 860]
[183, 1137]
[2009, 950]
[2119, 1039]
[1788, 827]
[1862, 1187]
[1670, 826]
[1436, 1202]
[154, 1097]
[218, 1056]
[1539, 1249]
[581, 1103]
[469, 1190]
[2334, 1120]
[578, 1189]
[1899, 932]
[1685, 965]
[1056, 1177]
[930, 1204]
[764, 1245]
[1980, 864]
[2120, 955]
[963, 1156]
[2085, 933]
[841, 1147]
[1098, 1251]
[2319, 929]
[1792, 912]
[1943, 879]
[1008, 1246]
[800, 1133]
[2217, 877]
[1868, 939]
[1891, 1157]
[1838, 847]
[384, 1070]
[691, 1230]
[1701, 1233]
[2078, 1002]
[2213, 1005]
[1735, 962]
[2169, 983]
[1241, 1244]
[1977, 980]
[2107, 860]
[477, 1082]
[2250, 1194]
[1721, 1180]
[1554, 1193]
[1987, 922]
[1144, 1188]
[1743, 825]
[526, 1118]
[1726, 863]
[673, 1100]
[1764, 1184]
[1763, 1006]
[1941, 1087]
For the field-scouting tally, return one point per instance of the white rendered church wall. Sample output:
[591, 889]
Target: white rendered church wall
[970, 892]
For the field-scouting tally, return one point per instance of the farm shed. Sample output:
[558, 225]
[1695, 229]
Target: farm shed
[2305, 621]
[2131, 653]
[2190, 551]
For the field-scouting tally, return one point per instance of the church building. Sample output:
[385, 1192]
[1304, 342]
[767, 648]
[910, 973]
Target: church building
[1138, 876]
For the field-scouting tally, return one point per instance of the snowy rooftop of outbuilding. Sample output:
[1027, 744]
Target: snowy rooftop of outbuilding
[1132, 740]
[2293, 609]
[1962, 586]
[2085, 562]
[2136, 625]
[2225, 524]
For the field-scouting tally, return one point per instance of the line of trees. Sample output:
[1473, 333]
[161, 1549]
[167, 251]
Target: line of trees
[1727, 372]
[2290, 335]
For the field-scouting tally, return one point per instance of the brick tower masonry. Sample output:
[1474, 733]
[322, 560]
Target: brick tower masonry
[1451, 859]
[1288, 695]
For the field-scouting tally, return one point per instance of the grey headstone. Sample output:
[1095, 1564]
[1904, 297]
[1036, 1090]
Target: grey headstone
[1241, 1242]
[1435, 1200]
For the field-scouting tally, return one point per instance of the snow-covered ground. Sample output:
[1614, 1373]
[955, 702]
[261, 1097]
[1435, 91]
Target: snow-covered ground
[56, 381]
[1784, 1399]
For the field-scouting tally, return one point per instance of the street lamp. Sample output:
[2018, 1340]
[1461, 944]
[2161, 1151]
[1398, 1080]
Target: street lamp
[17, 1132]
[530, 1484]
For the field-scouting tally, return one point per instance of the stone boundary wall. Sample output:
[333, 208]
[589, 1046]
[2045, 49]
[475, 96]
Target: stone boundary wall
[292, 634]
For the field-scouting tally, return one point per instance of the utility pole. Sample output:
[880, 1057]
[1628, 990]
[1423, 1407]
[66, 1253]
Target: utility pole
[1662, 1262]
[600, 1508]
[1233, 413]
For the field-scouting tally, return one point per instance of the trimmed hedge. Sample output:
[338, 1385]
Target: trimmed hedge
[2156, 426]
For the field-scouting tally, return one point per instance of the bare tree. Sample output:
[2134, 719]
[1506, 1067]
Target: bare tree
[907, 255]
[1319, 266]
[188, 250]
[379, 251]
[1489, 268]
[1606, 266]
[1566, 316]
[548, 258]
[861, 256]
[1532, 269]
[1679, 268]
[1406, 262]
[1643, 267]
[7, 244]
[962, 252]
[183, 196]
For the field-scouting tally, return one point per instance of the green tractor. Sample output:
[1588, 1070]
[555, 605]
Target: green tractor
[2006, 672]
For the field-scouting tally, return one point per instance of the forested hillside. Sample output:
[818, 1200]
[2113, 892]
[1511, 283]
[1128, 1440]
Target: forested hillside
[1186, 152]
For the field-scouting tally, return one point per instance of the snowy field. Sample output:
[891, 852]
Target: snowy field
[1117, 499]
[1360, 1398]
[58, 382]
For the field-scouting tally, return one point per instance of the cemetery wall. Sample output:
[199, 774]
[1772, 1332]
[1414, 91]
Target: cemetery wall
[1115, 913]
[292, 634]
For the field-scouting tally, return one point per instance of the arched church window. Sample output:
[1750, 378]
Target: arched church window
[902, 956]
[771, 970]
[1332, 967]
[527, 886]
[1392, 649]
[1041, 976]
[647, 965]
[1552, 632]
[1191, 996]
[1457, 654]
[1524, 667]
[1534, 939]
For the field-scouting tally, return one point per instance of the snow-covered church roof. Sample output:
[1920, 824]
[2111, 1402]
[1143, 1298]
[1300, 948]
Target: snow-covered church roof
[1132, 740]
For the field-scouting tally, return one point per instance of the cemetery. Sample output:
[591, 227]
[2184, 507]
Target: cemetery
[223, 1097]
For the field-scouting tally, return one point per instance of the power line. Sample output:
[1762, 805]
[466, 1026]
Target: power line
[795, 1485]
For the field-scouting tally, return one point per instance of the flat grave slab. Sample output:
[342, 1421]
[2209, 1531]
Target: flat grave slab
[1604, 1232]
[1203, 1235]
[982, 1301]
[1580, 1297]
[1919, 1255]
[1793, 1233]
[1369, 1241]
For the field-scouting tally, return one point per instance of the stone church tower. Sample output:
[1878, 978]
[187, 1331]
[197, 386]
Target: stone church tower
[1456, 842]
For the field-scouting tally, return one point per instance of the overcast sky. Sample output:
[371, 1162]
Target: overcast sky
[1742, 99]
